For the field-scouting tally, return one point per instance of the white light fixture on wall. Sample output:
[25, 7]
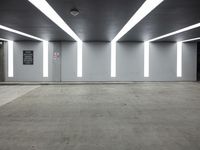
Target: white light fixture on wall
[79, 59]
[45, 59]
[179, 59]
[10, 59]
[176, 32]
[146, 59]
[113, 59]
[147, 7]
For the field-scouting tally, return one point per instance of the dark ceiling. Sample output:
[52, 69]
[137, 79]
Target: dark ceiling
[100, 20]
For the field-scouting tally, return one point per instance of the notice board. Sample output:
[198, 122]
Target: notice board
[27, 57]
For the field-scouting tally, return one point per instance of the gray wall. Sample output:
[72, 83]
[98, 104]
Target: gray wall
[162, 62]
[130, 61]
[96, 62]
[189, 62]
[69, 61]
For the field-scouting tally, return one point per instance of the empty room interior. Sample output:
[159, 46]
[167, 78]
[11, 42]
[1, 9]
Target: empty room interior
[99, 75]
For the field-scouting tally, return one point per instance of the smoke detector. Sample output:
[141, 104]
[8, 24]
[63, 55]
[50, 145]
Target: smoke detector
[74, 12]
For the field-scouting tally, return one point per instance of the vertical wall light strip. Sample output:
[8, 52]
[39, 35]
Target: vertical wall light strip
[79, 58]
[10, 59]
[146, 59]
[113, 59]
[179, 59]
[45, 58]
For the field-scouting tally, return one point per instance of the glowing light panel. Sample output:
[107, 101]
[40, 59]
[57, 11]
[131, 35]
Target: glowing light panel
[45, 58]
[20, 33]
[179, 59]
[79, 58]
[194, 39]
[176, 32]
[10, 59]
[113, 59]
[146, 59]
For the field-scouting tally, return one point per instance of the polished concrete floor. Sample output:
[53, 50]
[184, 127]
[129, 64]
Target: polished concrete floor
[138, 116]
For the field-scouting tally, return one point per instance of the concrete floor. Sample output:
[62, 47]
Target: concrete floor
[139, 116]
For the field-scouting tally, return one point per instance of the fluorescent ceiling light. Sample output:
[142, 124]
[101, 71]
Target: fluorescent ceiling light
[20, 33]
[79, 59]
[144, 10]
[45, 8]
[146, 59]
[113, 59]
[194, 39]
[179, 59]
[10, 59]
[1, 39]
[176, 32]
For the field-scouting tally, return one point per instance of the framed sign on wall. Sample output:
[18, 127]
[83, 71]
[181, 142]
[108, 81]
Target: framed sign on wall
[27, 57]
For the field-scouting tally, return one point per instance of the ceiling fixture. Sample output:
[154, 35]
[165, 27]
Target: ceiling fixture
[20, 33]
[143, 11]
[1, 39]
[46, 9]
[190, 40]
[74, 12]
[176, 32]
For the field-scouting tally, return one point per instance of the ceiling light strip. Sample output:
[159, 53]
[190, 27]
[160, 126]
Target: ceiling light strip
[46, 9]
[20, 33]
[176, 32]
[2, 39]
[190, 40]
[144, 10]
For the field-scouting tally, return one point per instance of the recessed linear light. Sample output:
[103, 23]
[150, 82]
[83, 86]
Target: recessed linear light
[179, 59]
[79, 58]
[20, 33]
[190, 40]
[146, 59]
[2, 39]
[176, 32]
[10, 59]
[45, 58]
[45, 8]
[113, 59]
[144, 10]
